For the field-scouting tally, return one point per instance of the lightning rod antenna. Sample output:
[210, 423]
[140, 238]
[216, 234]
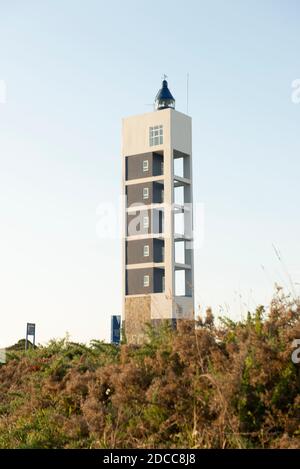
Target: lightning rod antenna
[187, 93]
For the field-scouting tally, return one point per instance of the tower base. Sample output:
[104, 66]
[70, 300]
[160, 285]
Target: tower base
[137, 315]
[143, 310]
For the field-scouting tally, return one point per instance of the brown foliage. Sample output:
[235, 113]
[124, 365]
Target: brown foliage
[231, 385]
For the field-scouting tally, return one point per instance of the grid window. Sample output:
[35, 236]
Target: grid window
[156, 135]
[146, 281]
[145, 193]
[146, 250]
[146, 222]
[145, 165]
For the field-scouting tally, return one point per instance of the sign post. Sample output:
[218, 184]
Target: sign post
[115, 329]
[30, 331]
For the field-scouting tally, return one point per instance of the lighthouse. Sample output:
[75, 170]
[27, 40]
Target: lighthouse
[158, 263]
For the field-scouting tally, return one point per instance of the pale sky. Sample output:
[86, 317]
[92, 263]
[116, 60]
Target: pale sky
[70, 70]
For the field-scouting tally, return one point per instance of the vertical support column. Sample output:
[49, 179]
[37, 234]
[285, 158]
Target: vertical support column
[169, 223]
[123, 217]
[188, 226]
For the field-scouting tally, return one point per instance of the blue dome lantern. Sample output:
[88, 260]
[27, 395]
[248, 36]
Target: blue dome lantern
[164, 98]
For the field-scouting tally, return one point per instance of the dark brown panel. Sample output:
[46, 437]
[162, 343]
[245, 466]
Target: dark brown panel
[134, 165]
[135, 281]
[136, 226]
[135, 251]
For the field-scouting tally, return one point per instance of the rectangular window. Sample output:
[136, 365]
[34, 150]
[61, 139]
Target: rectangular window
[146, 222]
[145, 193]
[146, 281]
[145, 166]
[163, 283]
[156, 135]
[146, 250]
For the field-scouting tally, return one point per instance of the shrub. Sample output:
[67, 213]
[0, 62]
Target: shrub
[231, 385]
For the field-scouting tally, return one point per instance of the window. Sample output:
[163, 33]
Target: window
[156, 135]
[146, 222]
[146, 250]
[145, 165]
[146, 281]
[145, 193]
[163, 283]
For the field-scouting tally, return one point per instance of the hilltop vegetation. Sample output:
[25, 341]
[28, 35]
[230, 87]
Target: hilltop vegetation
[231, 385]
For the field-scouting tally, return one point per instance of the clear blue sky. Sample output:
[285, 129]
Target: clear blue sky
[72, 70]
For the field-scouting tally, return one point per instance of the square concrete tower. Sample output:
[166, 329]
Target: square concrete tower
[158, 275]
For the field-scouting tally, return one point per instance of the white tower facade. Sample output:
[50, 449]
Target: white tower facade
[158, 270]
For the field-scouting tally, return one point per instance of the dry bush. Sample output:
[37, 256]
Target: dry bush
[231, 385]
